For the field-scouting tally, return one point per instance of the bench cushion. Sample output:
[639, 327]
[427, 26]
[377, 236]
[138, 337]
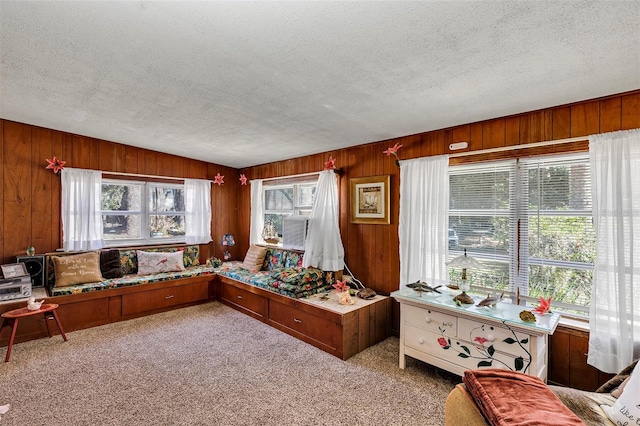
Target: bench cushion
[132, 279]
[129, 259]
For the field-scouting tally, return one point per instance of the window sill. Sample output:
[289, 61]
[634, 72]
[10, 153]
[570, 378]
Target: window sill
[574, 323]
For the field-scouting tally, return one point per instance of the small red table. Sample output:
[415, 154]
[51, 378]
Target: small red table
[10, 319]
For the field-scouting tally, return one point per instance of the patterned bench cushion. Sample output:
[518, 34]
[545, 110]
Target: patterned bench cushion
[282, 273]
[132, 279]
[265, 280]
[129, 262]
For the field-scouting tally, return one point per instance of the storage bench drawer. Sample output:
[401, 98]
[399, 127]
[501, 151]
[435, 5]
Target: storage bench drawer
[250, 303]
[135, 303]
[319, 329]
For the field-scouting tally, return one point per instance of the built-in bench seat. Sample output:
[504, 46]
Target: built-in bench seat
[293, 307]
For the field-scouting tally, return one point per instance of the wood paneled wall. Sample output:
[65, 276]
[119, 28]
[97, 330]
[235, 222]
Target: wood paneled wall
[30, 194]
[372, 251]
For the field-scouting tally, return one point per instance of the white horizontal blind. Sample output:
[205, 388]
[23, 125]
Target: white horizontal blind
[561, 235]
[481, 219]
[529, 222]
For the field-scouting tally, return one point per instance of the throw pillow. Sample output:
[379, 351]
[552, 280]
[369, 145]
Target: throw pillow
[626, 409]
[254, 258]
[110, 266]
[155, 262]
[77, 269]
[618, 391]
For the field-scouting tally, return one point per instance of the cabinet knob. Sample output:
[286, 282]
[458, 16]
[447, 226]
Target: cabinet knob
[239, 297]
[171, 296]
[427, 319]
[491, 337]
[299, 321]
[421, 340]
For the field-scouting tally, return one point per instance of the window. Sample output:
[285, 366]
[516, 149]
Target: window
[134, 212]
[530, 223]
[286, 200]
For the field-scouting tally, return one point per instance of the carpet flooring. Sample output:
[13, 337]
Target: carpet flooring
[211, 365]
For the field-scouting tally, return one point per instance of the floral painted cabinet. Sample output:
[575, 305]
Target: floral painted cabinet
[457, 338]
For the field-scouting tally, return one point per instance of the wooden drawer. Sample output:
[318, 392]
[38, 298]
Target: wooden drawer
[249, 303]
[453, 350]
[302, 323]
[477, 331]
[135, 303]
[429, 320]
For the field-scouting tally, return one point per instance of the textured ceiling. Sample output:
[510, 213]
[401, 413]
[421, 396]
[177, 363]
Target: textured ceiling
[245, 83]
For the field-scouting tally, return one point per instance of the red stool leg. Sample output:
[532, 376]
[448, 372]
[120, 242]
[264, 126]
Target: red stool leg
[55, 316]
[13, 323]
[46, 322]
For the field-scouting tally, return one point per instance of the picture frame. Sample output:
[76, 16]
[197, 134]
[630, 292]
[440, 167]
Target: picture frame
[13, 270]
[370, 200]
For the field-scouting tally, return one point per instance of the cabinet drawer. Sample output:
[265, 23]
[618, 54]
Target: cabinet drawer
[163, 298]
[430, 320]
[453, 351]
[319, 329]
[486, 335]
[248, 302]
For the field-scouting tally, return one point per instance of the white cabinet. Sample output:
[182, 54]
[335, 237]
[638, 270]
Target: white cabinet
[457, 338]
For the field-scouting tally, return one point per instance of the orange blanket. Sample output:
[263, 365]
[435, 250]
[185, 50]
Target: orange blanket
[508, 398]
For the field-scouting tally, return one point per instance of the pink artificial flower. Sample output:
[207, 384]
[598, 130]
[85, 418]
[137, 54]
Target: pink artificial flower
[331, 164]
[55, 164]
[218, 179]
[480, 340]
[243, 179]
[393, 150]
[341, 286]
[544, 306]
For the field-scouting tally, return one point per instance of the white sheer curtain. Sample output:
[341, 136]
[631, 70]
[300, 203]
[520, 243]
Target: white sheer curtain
[323, 248]
[197, 203]
[424, 219]
[257, 212]
[81, 204]
[614, 319]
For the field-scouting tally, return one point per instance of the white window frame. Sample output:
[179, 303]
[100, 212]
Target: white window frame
[519, 218]
[145, 214]
[298, 209]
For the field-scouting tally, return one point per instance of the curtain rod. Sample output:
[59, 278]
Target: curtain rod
[516, 147]
[290, 176]
[148, 176]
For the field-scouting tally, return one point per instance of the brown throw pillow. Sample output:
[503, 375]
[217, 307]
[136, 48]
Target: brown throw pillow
[509, 398]
[618, 391]
[77, 269]
[110, 266]
[254, 258]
